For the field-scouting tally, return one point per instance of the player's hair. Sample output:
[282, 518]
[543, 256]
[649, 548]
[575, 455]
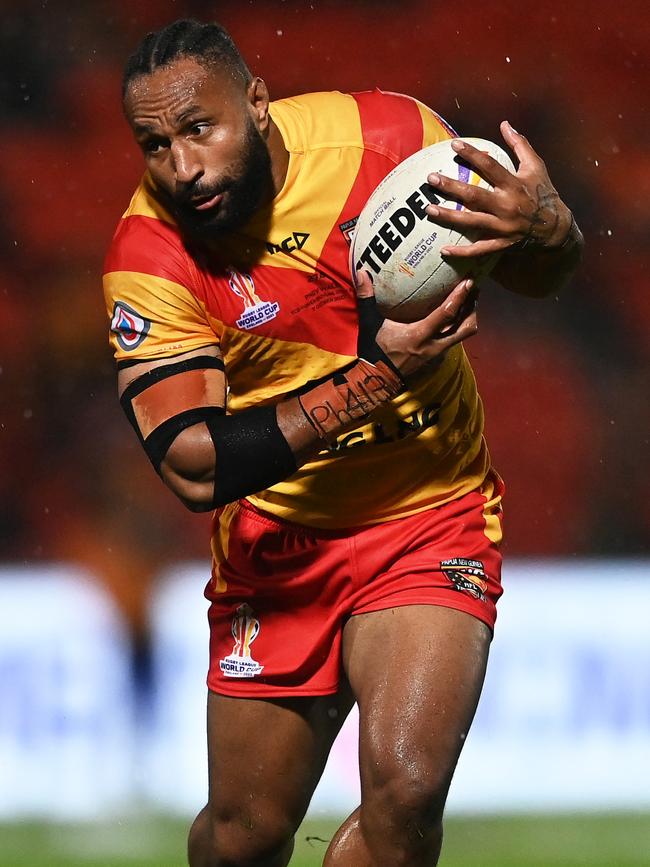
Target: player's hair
[209, 44]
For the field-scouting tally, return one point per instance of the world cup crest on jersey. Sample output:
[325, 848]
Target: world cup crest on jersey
[256, 312]
[245, 629]
[466, 575]
[128, 326]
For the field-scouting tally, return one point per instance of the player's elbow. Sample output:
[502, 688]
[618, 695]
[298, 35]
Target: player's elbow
[197, 507]
[197, 496]
[201, 496]
[204, 497]
[198, 500]
[188, 469]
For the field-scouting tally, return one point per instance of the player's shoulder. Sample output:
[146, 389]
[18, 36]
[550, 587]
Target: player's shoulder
[398, 124]
[392, 123]
[147, 239]
[319, 119]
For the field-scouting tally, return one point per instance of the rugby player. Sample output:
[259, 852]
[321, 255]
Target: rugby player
[357, 517]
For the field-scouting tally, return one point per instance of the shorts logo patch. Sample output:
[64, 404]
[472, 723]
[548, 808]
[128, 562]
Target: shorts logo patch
[245, 629]
[128, 326]
[347, 229]
[466, 575]
[256, 312]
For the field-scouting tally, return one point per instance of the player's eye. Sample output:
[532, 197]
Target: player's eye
[153, 146]
[197, 129]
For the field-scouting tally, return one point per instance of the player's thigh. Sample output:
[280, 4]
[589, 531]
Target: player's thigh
[416, 672]
[265, 756]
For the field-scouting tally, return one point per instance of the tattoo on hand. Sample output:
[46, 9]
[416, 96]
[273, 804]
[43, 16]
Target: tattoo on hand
[544, 215]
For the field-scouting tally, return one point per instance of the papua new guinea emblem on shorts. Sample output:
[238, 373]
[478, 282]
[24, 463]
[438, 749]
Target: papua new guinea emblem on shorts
[466, 575]
[245, 629]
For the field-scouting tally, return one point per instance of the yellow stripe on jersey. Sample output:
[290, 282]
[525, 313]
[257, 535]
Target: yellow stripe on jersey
[144, 203]
[435, 129]
[261, 369]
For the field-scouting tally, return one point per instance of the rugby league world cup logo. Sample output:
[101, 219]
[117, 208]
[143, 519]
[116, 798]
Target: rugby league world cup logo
[256, 312]
[245, 629]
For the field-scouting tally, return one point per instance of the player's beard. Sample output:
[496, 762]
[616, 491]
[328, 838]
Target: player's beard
[244, 191]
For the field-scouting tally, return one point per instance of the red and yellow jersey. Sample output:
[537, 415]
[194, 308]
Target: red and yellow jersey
[277, 299]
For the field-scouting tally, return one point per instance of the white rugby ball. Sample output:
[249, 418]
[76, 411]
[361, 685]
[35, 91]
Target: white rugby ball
[399, 245]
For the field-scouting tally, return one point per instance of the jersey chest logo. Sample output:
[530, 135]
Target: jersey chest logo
[296, 241]
[256, 312]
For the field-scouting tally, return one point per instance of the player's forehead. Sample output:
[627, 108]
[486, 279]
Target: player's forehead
[176, 89]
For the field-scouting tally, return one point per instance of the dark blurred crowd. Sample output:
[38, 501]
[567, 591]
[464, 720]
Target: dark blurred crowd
[565, 382]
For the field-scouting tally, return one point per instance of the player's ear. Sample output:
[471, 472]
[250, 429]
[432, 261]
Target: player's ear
[258, 97]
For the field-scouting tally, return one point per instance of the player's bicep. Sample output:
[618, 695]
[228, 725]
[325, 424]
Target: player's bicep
[128, 373]
[165, 398]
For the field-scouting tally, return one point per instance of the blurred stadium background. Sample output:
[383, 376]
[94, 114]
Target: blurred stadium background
[101, 662]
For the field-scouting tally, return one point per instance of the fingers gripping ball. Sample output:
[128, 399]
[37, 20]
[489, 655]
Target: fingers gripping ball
[398, 243]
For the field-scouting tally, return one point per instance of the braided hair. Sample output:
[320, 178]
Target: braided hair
[207, 43]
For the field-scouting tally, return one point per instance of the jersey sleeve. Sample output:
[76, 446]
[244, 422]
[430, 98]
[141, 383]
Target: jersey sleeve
[148, 288]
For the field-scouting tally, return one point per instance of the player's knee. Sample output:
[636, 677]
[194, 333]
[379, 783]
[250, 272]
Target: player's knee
[401, 822]
[242, 840]
[413, 800]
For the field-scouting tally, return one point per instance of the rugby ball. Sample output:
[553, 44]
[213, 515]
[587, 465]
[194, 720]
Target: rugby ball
[399, 245]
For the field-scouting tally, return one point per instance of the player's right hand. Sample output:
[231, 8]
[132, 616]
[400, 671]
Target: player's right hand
[411, 346]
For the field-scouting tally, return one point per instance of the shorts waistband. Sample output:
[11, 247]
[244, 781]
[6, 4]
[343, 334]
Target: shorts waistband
[270, 520]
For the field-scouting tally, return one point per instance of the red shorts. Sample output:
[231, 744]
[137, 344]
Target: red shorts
[283, 592]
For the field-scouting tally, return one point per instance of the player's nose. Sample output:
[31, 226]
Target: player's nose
[187, 166]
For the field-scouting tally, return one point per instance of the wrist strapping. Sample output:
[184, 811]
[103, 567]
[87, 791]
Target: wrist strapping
[349, 396]
[370, 321]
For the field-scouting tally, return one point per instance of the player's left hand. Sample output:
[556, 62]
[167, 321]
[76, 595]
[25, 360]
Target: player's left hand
[523, 208]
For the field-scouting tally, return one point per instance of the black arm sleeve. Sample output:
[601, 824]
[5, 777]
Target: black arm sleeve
[252, 453]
